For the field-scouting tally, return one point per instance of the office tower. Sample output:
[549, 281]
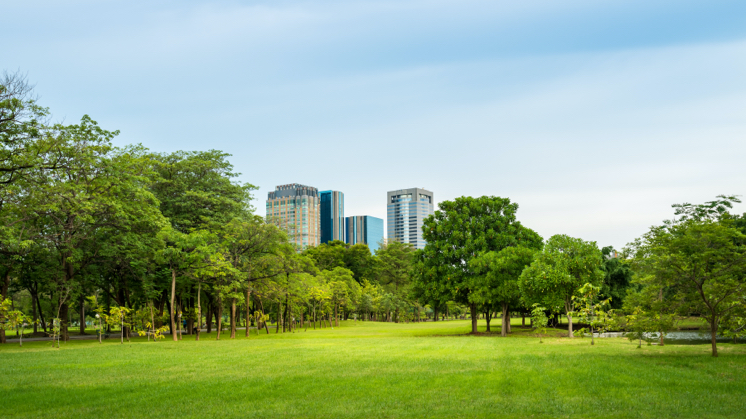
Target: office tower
[407, 208]
[296, 209]
[364, 229]
[332, 216]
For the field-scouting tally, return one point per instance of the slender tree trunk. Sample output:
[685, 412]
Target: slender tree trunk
[82, 314]
[713, 335]
[4, 291]
[219, 319]
[569, 319]
[279, 318]
[504, 320]
[474, 315]
[173, 296]
[233, 318]
[248, 312]
[41, 313]
[488, 317]
[523, 318]
[660, 332]
[509, 330]
[199, 309]
[208, 319]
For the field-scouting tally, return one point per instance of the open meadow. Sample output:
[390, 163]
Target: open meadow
[368, 369]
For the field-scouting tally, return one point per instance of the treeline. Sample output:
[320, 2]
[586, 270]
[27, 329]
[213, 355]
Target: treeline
[148, 242]
[479, 255]
[121, 236]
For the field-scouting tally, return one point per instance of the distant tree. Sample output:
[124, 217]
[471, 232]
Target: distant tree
[458, 232]
[497, 282]
[703, 262]
[617, 276]
[327, 256]
[591, 310]
[557, 273]
[539, 320]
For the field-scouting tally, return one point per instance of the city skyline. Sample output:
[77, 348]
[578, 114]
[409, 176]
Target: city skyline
[595, 117]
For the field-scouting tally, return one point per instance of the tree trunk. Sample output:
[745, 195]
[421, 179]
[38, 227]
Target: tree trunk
[233, 318]
[208, 319]
[713, 335]
[82, 314]
[336, 315]
[219, 319]
[504, 321]
[4, 290]
[171, 309]
[199, 309]
[509, 330]
[523, 318]
[488, 317]
[569, 319]
[248, 312]
[41, 313]
[474, 315]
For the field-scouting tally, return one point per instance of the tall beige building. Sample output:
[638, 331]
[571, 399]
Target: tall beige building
[295, 208]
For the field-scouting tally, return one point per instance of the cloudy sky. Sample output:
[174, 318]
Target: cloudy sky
[594, 116]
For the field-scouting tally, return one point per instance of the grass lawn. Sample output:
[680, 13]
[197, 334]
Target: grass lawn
[363, 370]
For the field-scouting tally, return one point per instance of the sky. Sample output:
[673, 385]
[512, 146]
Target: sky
[593, 116]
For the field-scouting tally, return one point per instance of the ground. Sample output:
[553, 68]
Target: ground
[372, 370]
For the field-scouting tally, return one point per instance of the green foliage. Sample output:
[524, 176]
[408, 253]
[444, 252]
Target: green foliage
[618, 276]
[496, 283]
[591, 311]
[196, 190]
[699, 263]
[457, 233]
[556, 273]
[539, 321]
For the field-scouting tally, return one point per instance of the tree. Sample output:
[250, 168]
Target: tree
[590, 310]
[704, 262]
[497, 283]
[557, 273]
[618, 276]
[25, 137]
[196, 190]
[539, 320]
[458, 232]
[96, 192]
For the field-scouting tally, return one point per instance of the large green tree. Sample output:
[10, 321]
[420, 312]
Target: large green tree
[458, 232]
[557, 272]
[497, 280]
[703, 262]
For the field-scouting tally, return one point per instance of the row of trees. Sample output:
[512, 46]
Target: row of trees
[479, 255]
[160, 235]
[171, 238]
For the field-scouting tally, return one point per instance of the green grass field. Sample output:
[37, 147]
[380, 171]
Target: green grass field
[377, 370]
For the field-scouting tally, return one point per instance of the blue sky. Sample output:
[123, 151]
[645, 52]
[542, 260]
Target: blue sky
[594, 116]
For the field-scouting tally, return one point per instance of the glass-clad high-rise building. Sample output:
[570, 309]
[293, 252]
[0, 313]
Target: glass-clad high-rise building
[295, 208]
[364, 229]
[406, 210]
[332, 222]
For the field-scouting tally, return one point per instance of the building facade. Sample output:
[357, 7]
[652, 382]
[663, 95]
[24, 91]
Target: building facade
[295, 208]
[406, 211]
[364, 229]
[332, 222]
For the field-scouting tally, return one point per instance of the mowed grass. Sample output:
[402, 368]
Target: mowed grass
[372, 370]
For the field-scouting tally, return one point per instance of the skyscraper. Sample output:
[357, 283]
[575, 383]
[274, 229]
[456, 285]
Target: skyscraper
[406, 210]
[332, 216]
[296, 209]
[364, 229]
